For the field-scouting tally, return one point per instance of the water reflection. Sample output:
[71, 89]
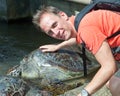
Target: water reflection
[17, 40]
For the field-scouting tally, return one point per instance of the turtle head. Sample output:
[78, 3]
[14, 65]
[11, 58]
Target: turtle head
[15, 71]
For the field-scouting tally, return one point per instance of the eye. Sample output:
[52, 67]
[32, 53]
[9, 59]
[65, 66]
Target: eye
[54, 25]
[50, 33]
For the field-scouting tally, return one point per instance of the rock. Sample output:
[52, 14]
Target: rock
[11, 86]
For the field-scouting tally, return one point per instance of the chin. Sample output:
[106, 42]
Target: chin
[67, 38]
[61, 39]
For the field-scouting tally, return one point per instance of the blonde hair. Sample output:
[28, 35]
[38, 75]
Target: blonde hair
[49, 9]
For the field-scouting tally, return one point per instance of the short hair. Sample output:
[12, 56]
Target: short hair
[40, 12]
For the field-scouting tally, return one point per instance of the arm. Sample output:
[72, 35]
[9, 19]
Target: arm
[53, 47]
[108, 67]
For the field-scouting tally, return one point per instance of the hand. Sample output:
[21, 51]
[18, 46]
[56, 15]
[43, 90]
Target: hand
[49, 48]
[79, 95]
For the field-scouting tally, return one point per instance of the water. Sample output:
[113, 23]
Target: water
[17, 39]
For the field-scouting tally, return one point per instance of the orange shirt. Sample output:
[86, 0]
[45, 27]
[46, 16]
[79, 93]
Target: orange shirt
[96, 26]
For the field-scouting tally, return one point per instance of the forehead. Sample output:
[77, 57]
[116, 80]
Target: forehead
[47, 20]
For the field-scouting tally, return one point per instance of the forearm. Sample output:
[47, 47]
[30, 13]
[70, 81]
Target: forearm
[69, 42]
[108, 68]
[101, 77]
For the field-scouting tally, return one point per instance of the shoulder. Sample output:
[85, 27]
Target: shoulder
[95, 14]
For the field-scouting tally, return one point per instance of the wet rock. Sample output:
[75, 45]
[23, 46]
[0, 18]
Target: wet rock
[11, 86]
[37, 92]
[104, 91]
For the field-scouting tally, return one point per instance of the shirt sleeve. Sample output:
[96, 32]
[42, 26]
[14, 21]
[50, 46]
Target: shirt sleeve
[92, 36]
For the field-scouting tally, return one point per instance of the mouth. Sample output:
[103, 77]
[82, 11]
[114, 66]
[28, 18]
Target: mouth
[62, 35]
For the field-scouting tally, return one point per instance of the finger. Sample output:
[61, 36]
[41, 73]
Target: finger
[44, 50]
[41, 47]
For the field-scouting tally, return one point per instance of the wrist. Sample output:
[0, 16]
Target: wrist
[84, 92]
[62, 45]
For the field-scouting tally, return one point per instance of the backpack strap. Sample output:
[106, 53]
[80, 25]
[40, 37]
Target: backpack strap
[113, 35]
[84, 59]
[76, 24]
[84, 52]
[96, 4]
[81, 15]
[83, 12]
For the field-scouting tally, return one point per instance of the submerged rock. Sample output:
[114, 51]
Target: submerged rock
[56, 72]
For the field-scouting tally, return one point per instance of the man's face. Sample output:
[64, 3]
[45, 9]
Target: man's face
[56, 26]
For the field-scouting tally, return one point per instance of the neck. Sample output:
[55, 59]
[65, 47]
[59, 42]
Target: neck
[74, 32]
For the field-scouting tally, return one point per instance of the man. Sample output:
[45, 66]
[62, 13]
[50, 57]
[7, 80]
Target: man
[94, 29]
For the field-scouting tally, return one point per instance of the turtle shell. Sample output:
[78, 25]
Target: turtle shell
[60, 70]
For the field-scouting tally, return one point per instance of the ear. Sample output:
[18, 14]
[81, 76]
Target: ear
[63, 15]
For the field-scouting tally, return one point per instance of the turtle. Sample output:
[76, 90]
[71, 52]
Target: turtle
[54, 71]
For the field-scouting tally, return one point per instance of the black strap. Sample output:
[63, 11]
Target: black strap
[77, 22]
[84, 59]
[113, 35]
[80, 16]
[84, 52]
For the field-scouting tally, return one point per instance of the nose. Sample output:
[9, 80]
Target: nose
[55, 31]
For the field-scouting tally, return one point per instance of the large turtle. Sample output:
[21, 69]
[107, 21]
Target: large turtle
[57, 72]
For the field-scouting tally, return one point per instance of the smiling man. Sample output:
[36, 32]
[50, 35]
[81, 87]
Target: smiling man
[94, 29]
